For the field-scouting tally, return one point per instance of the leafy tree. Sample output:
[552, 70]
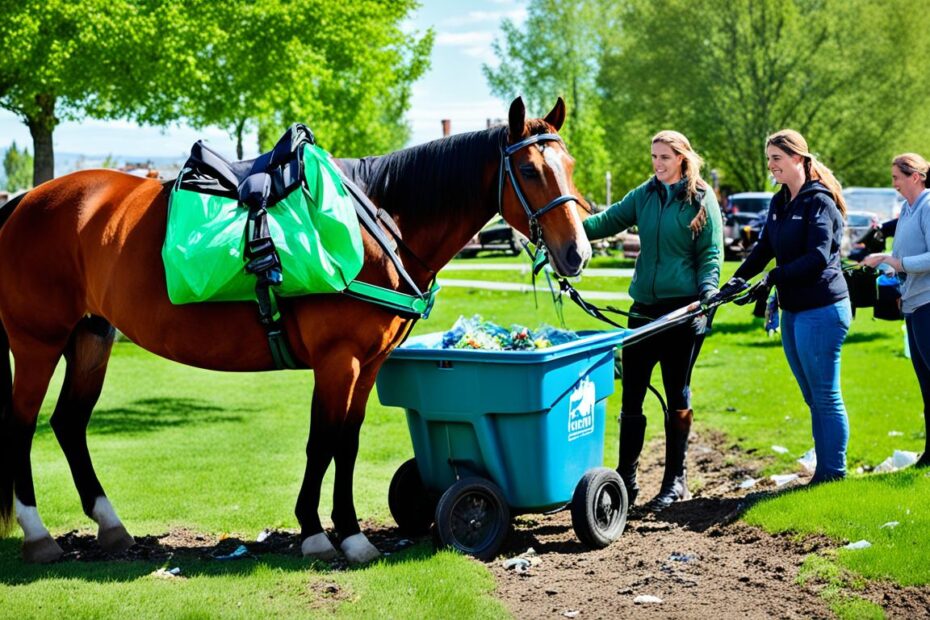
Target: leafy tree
[557, 52]
[850, 76]
[17, 164]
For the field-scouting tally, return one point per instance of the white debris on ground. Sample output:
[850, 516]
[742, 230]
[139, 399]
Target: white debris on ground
[263, 535]
[781, 480]
[899, 460]
[859, 544]
[889, 525]
[895, 434]
[647, 599]
[748, 483]
[522, 563]
[571, 613]
[809, 461]
[168, 573]
[780, 449]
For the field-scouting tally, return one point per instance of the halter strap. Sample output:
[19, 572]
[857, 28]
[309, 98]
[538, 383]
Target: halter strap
[506, 168]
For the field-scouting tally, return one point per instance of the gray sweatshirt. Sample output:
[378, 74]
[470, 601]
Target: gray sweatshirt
[912, 246]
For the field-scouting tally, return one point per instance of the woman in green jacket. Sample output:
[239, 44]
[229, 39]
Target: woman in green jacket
[681, 251]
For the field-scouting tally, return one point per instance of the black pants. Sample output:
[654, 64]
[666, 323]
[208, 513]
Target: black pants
[675, 350]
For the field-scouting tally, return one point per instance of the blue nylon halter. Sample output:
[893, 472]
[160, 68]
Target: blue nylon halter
[505, 167]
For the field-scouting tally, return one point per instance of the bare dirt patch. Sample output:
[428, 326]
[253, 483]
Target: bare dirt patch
[696, 557]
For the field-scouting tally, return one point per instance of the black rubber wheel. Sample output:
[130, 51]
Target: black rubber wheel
[473, 517]
[410, 502]
[599, 507]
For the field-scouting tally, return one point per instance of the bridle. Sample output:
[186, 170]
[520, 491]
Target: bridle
[506, 167]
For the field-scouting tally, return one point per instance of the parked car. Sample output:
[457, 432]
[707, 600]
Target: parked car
[859, 238]
[498, 236]
[884, 202]
[741, 222]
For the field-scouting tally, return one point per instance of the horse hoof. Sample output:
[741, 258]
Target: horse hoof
[42, 550]
[357, 549]
[115, 539]
[318, 547]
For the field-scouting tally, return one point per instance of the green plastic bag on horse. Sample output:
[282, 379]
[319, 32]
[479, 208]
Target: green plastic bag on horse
[314, 228]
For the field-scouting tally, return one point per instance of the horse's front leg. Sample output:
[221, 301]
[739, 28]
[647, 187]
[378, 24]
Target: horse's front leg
[355, 544]
[334, 382]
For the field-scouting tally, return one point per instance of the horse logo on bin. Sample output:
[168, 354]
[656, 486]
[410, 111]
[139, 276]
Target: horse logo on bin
[581, 409]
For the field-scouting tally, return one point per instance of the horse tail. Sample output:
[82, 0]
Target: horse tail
[6, 404]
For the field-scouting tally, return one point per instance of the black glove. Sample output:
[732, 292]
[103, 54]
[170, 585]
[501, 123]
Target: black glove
[759, 292]
[734, 286]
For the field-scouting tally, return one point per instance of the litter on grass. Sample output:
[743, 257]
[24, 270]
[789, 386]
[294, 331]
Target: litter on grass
[889, 525]
[263, 535]
[167, 573]
[895, 434]
[240, 552]
[859, 544]
[780, 449]
[748, 483]
[781, 480]
[899, 460]
[809, 461]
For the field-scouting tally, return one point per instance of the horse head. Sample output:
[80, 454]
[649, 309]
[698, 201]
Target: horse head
[536, 194]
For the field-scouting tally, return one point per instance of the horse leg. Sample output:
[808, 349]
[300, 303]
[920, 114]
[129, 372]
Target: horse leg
[355, 544]
[35, 362]
[87, 355]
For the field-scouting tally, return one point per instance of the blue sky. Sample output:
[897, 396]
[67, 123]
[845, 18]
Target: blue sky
[454, 88]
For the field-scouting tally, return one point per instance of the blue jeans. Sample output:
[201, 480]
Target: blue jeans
[812, 341]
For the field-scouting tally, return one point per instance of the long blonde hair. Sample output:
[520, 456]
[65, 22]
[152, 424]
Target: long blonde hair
[793, 143]
[691, 165]
[909, 163]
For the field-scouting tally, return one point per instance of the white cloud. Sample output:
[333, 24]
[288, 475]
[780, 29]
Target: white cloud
[470, 39]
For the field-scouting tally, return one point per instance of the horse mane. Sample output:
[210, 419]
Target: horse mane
[450, 171]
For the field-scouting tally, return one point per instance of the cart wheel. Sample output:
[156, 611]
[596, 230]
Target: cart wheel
[410, 502]
[473, 517]
[599, 507]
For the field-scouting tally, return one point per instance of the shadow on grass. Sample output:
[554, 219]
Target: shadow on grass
[858, 337]
[85, 561]
[154, 414]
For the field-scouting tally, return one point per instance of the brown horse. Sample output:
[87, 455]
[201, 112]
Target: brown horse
[81, 254]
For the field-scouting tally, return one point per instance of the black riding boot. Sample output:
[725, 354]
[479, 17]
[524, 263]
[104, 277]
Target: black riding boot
[632, 434]
[675, 481]
[924, 460]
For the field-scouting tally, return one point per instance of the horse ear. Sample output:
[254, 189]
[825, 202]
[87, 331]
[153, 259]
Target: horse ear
[517, 120]
[557, 115]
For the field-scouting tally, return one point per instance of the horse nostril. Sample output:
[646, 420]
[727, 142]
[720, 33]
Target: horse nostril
[573, 258]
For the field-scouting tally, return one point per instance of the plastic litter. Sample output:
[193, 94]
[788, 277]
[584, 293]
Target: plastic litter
[898, 460]
[518, 564]
[167, 573]
[263, 535]
[748, 483]
[780, 449]
[781, 480]
[571, 613]
[859, 544]
[809, 460]
[476, 333]
[895, 434]
[889, 525]
[646, 599]
[240, 552]
[681, 557]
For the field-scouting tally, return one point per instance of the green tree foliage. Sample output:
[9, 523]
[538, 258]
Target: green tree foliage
[557, 52]
[344, 68]
[848, 74]
[17, 164]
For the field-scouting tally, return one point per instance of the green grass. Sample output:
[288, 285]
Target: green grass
[181, 447]
[838, 589]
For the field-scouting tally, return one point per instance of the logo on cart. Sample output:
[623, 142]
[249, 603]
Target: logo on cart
[581, 410]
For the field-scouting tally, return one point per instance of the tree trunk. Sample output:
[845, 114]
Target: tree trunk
[41, 125]
[240, 128]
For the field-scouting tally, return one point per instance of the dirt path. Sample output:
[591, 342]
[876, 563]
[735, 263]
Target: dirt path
[695, 557]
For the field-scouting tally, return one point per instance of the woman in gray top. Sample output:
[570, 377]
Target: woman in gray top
[910, 257]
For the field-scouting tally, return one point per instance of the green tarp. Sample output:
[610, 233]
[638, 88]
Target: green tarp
[315, 231]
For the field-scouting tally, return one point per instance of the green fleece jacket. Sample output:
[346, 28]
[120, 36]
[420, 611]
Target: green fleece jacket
[672, 263]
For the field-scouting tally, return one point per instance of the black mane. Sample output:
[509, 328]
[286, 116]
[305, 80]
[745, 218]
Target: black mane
[449, 172]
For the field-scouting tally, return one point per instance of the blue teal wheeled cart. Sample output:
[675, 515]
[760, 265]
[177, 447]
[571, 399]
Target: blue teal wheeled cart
[502, 432]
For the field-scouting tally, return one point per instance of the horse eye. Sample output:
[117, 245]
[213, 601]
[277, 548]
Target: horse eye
[529, 171]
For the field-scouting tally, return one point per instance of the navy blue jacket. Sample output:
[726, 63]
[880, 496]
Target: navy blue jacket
[803, 236]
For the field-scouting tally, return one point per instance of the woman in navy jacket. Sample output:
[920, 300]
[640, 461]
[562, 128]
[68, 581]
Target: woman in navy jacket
[803, 233]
